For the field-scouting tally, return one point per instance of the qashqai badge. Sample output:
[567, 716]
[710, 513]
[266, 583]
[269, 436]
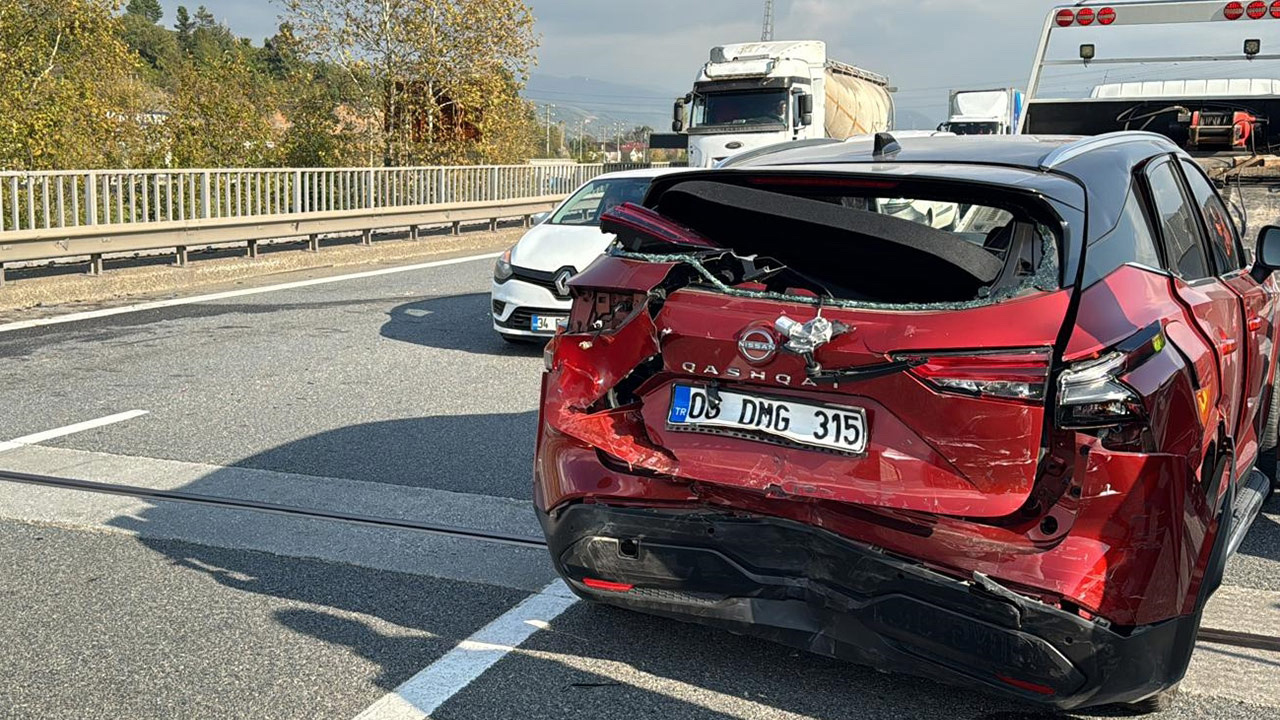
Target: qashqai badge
[757, 346]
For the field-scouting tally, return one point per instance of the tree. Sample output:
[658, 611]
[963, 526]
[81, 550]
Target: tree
[184, 26]
[69, 94]
[210, 39]
[149, 10]
[281, 54]
[157, 47]
[220, 116]
[443, 76]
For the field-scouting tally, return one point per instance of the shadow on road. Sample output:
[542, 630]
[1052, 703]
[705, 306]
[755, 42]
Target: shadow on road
[454, 322]
[594, 662]
[481, 454]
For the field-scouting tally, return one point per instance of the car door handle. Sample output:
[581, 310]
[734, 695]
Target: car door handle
[1255, 323]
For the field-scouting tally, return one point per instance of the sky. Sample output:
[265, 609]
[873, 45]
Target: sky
[926, 47]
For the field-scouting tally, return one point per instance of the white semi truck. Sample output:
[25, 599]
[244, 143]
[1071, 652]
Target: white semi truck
[984, 112]
[749, 95]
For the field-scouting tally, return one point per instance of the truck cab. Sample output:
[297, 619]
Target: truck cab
[749, 95]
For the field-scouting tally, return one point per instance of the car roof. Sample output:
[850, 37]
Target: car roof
[1032, 152]
[638, 173]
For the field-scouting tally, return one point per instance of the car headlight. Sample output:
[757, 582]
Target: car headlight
[502, 271]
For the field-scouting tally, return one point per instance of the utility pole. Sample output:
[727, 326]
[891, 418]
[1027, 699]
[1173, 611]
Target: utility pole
[766, 35]
[549, 108]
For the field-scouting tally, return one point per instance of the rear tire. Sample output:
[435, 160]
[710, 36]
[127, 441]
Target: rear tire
[1159, 702]
[1269, 441]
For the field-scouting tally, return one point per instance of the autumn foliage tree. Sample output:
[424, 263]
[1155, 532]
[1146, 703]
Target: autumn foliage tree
[435, 80]
[111, 83]
[69, 92]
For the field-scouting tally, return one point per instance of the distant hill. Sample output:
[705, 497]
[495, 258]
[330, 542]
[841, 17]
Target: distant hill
[608, 103]
[603, 102]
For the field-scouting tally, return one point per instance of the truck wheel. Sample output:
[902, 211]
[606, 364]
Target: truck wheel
[1159, 702]
[1270, 439]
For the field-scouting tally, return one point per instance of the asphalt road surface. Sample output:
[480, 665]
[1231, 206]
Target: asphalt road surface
[385, 395]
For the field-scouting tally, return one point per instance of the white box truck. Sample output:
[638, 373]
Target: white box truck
[750, 95]
[984, 112]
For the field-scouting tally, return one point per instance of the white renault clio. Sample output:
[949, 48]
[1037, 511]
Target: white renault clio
[531, 280]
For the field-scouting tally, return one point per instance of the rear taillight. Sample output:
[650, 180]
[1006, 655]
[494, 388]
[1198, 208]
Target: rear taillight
[1066, 17]
[601, 312]
[1233, 10]
[1008, 375]
[1091, 393]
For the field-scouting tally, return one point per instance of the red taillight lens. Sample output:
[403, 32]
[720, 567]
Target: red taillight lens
[1065, 18]
[1009, 375]
[607, 586]
[1234, 10]
[1257, 9]
[1275, 9]
[1107, 15]
[1085, 16]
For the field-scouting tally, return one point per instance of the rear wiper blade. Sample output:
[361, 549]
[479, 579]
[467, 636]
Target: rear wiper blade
[869, 372]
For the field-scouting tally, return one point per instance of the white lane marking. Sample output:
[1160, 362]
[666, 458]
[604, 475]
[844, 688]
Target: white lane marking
[422, 694]
[40, 437]
[107, 312]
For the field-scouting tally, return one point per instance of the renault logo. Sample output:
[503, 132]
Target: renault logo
[562, 281]
[757, 346]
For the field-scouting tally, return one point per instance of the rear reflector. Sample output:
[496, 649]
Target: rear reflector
[607, 586]
[1009, 375]
[1036, 688]
[1066, 17]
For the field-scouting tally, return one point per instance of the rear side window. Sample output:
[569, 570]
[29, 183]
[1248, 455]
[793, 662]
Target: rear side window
[1130, 241]
[1180, 233]
[1222, 235]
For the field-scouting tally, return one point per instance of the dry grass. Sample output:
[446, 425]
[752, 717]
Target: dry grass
[147, 281]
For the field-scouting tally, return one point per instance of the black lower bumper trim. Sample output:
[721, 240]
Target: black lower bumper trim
[810, 589]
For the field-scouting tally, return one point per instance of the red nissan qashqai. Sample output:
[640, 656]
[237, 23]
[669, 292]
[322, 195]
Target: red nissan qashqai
[1016, 451]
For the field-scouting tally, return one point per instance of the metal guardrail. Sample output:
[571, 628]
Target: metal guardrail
[78, 214]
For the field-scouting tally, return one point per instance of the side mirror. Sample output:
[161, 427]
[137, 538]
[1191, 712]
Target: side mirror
[677, 116]
[539, 218]
[1268, 256]
[806, 109]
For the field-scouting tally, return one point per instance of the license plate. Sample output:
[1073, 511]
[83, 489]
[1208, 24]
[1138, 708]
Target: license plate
[841, 429]
[543, 323]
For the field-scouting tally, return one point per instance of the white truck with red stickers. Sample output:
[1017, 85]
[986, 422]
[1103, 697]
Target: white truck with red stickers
[1228, 119]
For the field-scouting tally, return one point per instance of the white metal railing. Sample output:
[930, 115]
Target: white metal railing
[76, 198]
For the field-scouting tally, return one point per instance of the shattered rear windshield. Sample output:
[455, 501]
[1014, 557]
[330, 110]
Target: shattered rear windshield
[886, 247]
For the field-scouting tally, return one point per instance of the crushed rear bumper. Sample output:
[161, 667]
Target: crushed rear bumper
[808, 588]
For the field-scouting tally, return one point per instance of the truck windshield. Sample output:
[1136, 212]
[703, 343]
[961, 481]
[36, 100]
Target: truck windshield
[973, 128]
[740, 108]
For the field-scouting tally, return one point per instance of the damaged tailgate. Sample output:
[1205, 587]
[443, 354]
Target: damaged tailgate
[809, 343]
